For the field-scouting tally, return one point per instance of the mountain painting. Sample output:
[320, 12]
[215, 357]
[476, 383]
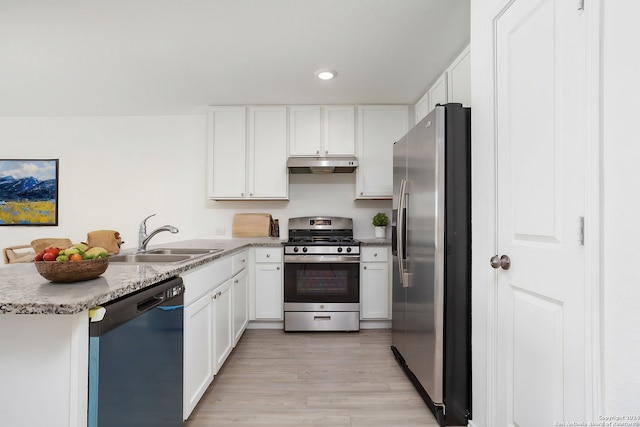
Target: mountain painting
[29, 192]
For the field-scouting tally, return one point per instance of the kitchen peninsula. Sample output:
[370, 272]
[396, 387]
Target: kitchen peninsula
[44, 332]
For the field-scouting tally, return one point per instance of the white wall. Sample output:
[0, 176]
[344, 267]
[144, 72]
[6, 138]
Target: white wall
[114, 171]
[621, 164]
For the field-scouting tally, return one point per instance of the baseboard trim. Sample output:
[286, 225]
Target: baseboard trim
[266, 324]
[375, 324]
[279, 324]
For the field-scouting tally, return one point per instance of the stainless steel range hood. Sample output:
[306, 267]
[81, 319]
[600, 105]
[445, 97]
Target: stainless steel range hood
[322, 164]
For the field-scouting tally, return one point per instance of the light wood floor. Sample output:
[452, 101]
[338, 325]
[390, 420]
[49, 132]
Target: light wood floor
[274, 378]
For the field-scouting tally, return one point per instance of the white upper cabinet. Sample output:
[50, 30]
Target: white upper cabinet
[459, 79]
[248, 160]
[379, 127]
[227, 152]
[339, 130]
[438, 92]
[422, 108]
[304, 130]
[249, 146]
[453, 85]
[321, 130]
[268, 175]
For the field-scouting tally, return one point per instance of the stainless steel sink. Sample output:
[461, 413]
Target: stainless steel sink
[163, 256]
[182, 251]
[147, 257]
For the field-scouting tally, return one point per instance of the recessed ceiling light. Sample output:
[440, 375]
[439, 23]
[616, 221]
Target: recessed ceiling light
[326, 74]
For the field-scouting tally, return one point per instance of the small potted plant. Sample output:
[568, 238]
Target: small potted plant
[380, 222]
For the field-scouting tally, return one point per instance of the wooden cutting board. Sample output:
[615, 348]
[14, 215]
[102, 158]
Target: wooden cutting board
[252, 225]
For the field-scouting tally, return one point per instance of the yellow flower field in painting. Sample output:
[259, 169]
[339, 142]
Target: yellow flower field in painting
[28, 213]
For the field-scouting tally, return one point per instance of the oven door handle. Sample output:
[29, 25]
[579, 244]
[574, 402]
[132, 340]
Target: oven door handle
[317, 259]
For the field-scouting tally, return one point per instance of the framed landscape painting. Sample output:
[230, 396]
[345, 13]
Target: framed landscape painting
[28, 192]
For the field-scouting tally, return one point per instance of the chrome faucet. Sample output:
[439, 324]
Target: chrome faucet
[143, 238]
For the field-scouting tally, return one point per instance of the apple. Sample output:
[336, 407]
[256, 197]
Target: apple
[49, 256]
[52, 250]
[39, 256]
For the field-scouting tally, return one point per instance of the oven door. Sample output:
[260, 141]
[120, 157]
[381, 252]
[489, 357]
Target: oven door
[321, 279]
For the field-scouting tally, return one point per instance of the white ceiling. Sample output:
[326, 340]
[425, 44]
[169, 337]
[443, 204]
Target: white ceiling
[89, 57]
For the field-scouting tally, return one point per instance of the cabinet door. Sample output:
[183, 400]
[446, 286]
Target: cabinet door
[268, 291]
[422, 108]
[268, 175]
[198, 351]
[380, 126]
[227, 156]
[240, 305]
[339, 130]
[222, 312]
[459, 79]
[304, 131]
[438, 92]
[375, 290]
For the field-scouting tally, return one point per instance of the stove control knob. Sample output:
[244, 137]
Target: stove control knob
[348, 250]
[304, 249]
[339, 250]
[295, 249]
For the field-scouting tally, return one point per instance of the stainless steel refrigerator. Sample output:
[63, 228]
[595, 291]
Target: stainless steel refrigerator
[431, 245]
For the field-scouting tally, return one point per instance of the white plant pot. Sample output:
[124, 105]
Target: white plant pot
[380, 232]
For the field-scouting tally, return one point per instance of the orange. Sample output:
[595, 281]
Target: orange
[75, 257]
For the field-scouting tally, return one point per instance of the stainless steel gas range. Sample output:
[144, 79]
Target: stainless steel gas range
[321, 275]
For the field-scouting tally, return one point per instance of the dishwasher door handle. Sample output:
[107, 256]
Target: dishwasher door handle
[151, 302]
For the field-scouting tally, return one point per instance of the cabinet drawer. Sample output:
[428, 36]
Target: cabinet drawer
[374, 254]
[202, 280]
[240, 261]
[321, 321]
[268, 254]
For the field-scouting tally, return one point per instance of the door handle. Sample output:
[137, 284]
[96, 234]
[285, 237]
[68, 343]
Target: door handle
[150, 303]
[400, 225]
[503, 262]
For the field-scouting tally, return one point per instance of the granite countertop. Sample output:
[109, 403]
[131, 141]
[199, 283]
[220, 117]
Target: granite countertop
[24, 291]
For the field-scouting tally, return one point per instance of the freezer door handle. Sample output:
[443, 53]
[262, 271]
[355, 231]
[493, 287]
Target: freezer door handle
[400, 234]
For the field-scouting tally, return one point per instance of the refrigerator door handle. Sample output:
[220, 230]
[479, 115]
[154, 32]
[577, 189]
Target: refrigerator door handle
[400, 234]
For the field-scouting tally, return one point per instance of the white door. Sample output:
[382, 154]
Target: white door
[540, 182]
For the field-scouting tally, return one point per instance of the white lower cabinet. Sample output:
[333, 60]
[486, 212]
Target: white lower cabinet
[374, 283]
[222, 322]
[209, 332]
[198, 351]
[240, 305]
[268, 284]
[217, 313]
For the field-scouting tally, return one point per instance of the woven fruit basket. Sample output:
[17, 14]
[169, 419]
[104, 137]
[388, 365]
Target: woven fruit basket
[67, 272]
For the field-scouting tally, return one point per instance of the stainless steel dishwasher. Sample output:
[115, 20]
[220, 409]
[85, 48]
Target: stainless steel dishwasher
[135, 359]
